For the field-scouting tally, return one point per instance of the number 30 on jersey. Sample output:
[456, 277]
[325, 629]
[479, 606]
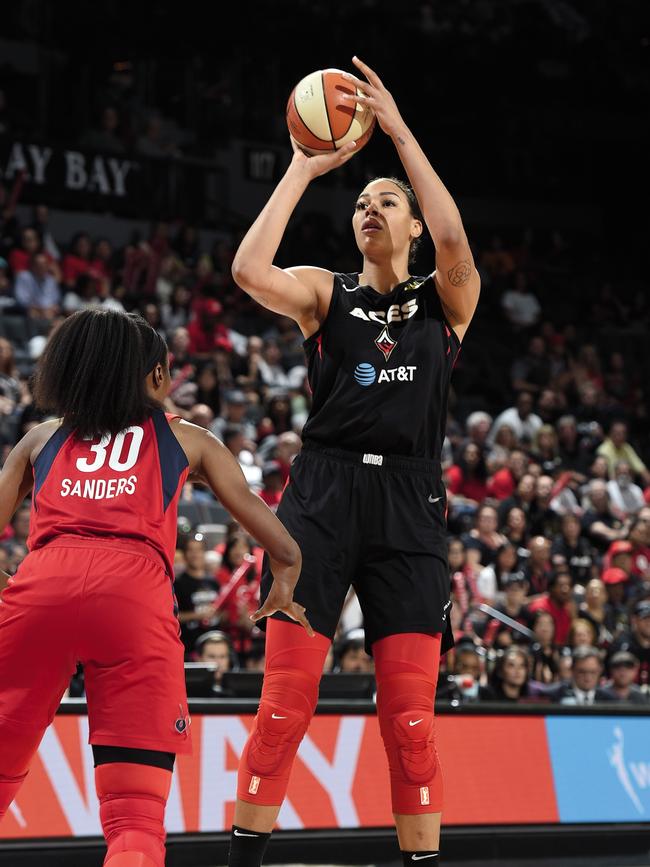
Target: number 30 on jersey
[116, 459]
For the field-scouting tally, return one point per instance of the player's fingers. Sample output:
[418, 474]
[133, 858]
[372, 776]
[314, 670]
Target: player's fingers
[297, 613]
[358, 97]
[363, 86]
[265, 611]
[370, 74]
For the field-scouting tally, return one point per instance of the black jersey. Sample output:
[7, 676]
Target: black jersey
[379, 370]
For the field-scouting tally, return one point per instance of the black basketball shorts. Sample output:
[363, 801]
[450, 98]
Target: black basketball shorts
[377, 523]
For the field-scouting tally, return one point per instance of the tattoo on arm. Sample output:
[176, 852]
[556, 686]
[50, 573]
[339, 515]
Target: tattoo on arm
[460, 273]
[401, 140]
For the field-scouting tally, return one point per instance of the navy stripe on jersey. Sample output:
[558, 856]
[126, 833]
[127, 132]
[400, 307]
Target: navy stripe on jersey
[47, 456]
[173, 459]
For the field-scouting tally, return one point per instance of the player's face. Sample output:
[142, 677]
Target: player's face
[382, 221]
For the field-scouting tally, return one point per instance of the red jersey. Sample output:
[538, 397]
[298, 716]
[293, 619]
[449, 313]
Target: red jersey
[124, 487]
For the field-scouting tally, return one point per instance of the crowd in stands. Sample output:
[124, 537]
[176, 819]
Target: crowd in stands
[545, 458]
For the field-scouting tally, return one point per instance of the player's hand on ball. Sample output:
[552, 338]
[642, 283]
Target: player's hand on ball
[322, 163]
[374, 95]
[280, 598]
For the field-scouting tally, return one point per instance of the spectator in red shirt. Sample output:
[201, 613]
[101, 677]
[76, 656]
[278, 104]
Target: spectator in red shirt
[30, 243]
[619, 555]
[271, 493]
[467, 478]
[207, 333]
[559, 603]
[77, 259]
[504, 482]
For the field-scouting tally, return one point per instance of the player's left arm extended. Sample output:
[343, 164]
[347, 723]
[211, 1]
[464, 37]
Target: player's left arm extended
[16, 481]
[456, 277]
[457, 280]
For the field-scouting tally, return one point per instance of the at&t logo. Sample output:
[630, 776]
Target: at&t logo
[365, 374]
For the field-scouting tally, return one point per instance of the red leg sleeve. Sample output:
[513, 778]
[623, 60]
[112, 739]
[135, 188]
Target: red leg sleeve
[294, 664]
[406, 669]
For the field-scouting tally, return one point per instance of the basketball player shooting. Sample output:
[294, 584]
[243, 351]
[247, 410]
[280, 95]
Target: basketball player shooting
[366, 501]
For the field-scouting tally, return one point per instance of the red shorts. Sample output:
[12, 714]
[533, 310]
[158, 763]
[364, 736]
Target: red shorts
[110, 607]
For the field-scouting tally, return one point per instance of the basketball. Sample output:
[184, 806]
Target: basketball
[320, 120]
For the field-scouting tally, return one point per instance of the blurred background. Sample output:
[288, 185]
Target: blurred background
[137, 144]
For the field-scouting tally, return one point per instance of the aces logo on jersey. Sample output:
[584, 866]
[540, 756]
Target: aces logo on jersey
[385, 343]
[395, 313]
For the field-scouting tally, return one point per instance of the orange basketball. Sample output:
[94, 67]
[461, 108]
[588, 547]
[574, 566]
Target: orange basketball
[320, 120]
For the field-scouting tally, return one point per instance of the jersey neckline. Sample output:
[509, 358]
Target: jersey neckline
[410, 279]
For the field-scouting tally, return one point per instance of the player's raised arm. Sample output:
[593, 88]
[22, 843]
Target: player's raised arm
[302, 293]
[456, 276]
[212, 461]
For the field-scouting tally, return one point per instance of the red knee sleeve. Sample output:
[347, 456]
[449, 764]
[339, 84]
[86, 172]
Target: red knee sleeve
[132, 802]
[294, 664]
[406, 669]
